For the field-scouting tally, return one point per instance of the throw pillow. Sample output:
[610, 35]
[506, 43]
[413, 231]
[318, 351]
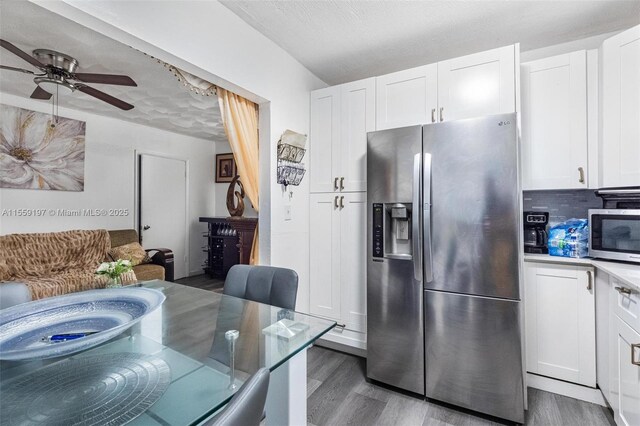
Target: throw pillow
[132, 252]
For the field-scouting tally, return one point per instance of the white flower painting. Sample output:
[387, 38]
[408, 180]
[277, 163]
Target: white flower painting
[36, 155]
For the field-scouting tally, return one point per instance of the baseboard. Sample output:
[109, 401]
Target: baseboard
[341, 347]
[583, 393]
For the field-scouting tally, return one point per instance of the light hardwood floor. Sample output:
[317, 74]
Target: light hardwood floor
[203, 281]
[338, 394]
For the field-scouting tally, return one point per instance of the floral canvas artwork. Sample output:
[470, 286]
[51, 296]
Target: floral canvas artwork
[34, 154]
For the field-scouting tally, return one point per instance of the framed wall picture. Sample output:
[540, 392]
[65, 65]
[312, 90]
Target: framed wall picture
[225, 168]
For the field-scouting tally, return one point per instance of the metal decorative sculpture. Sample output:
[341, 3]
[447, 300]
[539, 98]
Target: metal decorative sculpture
[232, 195]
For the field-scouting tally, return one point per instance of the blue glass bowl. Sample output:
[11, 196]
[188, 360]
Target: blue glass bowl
[106, 312]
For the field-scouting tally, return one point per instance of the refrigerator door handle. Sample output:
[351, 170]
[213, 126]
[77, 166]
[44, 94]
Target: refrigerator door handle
[415, 218]
[428, 260]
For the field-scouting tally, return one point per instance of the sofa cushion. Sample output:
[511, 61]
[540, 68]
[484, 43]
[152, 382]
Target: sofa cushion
[149, 271]
[63, 283]
[120, 237]
[132, 252]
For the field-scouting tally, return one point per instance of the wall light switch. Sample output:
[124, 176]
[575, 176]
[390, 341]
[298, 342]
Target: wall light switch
[287, 212]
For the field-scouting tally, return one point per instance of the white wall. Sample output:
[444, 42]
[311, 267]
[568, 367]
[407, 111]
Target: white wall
[110, 183]
[206, 39]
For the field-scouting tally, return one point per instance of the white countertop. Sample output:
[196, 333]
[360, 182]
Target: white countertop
[625, 272]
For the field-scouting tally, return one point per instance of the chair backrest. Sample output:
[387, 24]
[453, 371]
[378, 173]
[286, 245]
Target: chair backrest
[247, 405]
[264, 284]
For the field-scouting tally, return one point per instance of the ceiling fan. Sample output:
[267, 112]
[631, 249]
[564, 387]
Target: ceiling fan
[57, 71]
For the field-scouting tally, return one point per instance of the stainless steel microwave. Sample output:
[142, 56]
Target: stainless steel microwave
[615, 234]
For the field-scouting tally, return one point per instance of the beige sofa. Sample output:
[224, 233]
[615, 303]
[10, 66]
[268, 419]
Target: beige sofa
[56, 263]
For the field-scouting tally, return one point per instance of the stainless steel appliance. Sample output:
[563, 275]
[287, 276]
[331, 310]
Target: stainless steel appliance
[614, 234]
[535, 232]
[614, 230]
[443, 291]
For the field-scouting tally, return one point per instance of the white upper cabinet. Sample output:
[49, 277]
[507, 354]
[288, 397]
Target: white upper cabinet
[358, 116]
[407, 97]
[341, 116]
[324, 139]
[554, 122]
[477, 85]
[620, 142]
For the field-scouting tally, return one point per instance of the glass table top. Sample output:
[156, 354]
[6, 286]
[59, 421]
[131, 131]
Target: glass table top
[180, 348]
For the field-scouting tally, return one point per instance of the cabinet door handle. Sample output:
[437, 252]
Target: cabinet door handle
[341, 183]
[635, 346]
[589, 280]
[335, 202]
[441, 114]
[342, 202]
[581, 175]
[433, 115]
[335, 184]
[623, 290]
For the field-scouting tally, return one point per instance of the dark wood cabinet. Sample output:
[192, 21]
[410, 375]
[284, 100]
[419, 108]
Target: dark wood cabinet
[229, 242]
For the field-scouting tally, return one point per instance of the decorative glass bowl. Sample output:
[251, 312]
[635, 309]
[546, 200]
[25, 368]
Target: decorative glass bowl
[25, 328]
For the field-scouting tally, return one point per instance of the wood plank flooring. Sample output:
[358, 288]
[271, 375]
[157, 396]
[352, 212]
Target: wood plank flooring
[204, 282]
[338, 394]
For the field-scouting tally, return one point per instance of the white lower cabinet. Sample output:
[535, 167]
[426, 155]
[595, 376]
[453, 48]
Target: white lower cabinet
[625, 374]
[337, 264]
[624, 354]
[560, 322]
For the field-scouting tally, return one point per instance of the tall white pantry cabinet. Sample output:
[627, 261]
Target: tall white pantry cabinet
[341, 116]
[474, 85]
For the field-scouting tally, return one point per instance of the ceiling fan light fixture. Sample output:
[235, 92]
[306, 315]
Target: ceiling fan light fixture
[51, 83]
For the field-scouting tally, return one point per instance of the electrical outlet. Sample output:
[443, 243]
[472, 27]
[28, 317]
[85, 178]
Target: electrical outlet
[287, 212]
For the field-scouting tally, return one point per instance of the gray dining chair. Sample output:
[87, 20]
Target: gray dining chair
[264, 284]
[246, 408]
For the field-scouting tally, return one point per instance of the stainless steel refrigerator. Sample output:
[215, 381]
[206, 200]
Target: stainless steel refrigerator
[443, 287]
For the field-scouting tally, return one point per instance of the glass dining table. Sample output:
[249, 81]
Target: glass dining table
[187, 359]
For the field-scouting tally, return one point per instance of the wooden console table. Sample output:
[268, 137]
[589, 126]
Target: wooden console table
[229, 242]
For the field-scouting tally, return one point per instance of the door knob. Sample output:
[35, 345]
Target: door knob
[144, 228]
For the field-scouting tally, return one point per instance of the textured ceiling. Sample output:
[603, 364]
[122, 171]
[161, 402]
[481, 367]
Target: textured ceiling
[160, 100]
[345, 40]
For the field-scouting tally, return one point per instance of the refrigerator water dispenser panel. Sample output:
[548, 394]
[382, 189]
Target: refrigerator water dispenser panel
[392, 230]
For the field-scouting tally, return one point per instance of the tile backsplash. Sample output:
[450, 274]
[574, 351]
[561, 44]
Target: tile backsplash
[562, 204]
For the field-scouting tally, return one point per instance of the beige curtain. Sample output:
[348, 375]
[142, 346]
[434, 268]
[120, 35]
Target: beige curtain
[240, 119]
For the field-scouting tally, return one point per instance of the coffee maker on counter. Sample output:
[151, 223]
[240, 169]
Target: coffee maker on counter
[535, 232]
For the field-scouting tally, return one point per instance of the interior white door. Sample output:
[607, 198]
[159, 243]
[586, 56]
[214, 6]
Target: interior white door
[358, 116]
[560, 322]
[353, 251]
[324, 140]
[554, 122]
[324, 256]
[477, 85]
[163, 207]
[621, 109]
[406, 98]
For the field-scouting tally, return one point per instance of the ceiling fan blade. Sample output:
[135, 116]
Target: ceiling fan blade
[121, 80]
[104, 97]
[24, 55]
[4, 67]
[40, 93]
